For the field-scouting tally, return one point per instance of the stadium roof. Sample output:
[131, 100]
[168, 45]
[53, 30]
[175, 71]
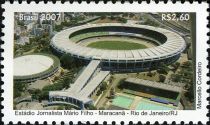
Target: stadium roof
[154, 84]
[31, 64]
[175, 44]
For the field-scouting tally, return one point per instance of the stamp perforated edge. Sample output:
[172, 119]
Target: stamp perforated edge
[3, 72]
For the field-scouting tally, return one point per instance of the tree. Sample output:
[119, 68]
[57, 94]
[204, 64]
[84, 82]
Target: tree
[112, 92]
[67, 61]
[111, 78]
[125, 15]
[98, 92]
[65, 23]
[60, 108]
[122, 20]
[21, 23]
[190, 93]
[16, 36]
[66, 82]
[121, 84]
[163, 69]
[162, 78]
[112, 17]
[187, 64]
[151, 22]
[44, 41]
[53, 87]
[62, 72]
[176, 65]
[56, 78]
[19, 88]
[103, 17]
[58, 28]
[44, 95]
[14, 105]
[35, 93]
[188, 44]
[101, 108]
[68, 107]
[131, 15]
[91, 107]
[176, 77]
[103, 86]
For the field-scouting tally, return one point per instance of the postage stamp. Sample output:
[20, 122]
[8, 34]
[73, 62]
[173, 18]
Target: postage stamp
[105, 62]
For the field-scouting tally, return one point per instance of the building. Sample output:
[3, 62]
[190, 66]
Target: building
[83, 88]
[36, 66]
[169, 46]
[29, 26]
[37, 31]
[155, 91]
[48, 28]
[22, 40]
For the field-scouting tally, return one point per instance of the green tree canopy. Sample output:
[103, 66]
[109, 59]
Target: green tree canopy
[19, 88]
[67, 61]
[162, 78]
[66, 82]
[91, 107]
[103, 86]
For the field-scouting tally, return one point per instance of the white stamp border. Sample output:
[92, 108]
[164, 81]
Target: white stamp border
[201, 55]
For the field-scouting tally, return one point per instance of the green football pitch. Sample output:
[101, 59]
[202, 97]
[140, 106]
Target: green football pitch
[116, 45]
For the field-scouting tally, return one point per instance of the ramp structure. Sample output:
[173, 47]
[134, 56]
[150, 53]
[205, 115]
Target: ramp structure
[83, 88]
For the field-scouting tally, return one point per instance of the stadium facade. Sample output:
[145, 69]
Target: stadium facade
[169, 46]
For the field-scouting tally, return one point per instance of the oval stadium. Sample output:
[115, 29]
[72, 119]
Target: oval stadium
[36, 66]
[159, 46]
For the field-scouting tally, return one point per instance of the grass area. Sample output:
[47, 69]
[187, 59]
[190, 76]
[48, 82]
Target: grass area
[116, 45]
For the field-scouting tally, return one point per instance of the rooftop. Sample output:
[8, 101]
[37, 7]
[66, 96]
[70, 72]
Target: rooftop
[154, 84]
[175, 44]
[84, 77]
[84, 85]
[32, 64]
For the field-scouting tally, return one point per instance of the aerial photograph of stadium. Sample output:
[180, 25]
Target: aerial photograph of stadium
[103, 61]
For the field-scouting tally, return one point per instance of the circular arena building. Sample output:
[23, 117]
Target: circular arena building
[167, 46]
[29, 68]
